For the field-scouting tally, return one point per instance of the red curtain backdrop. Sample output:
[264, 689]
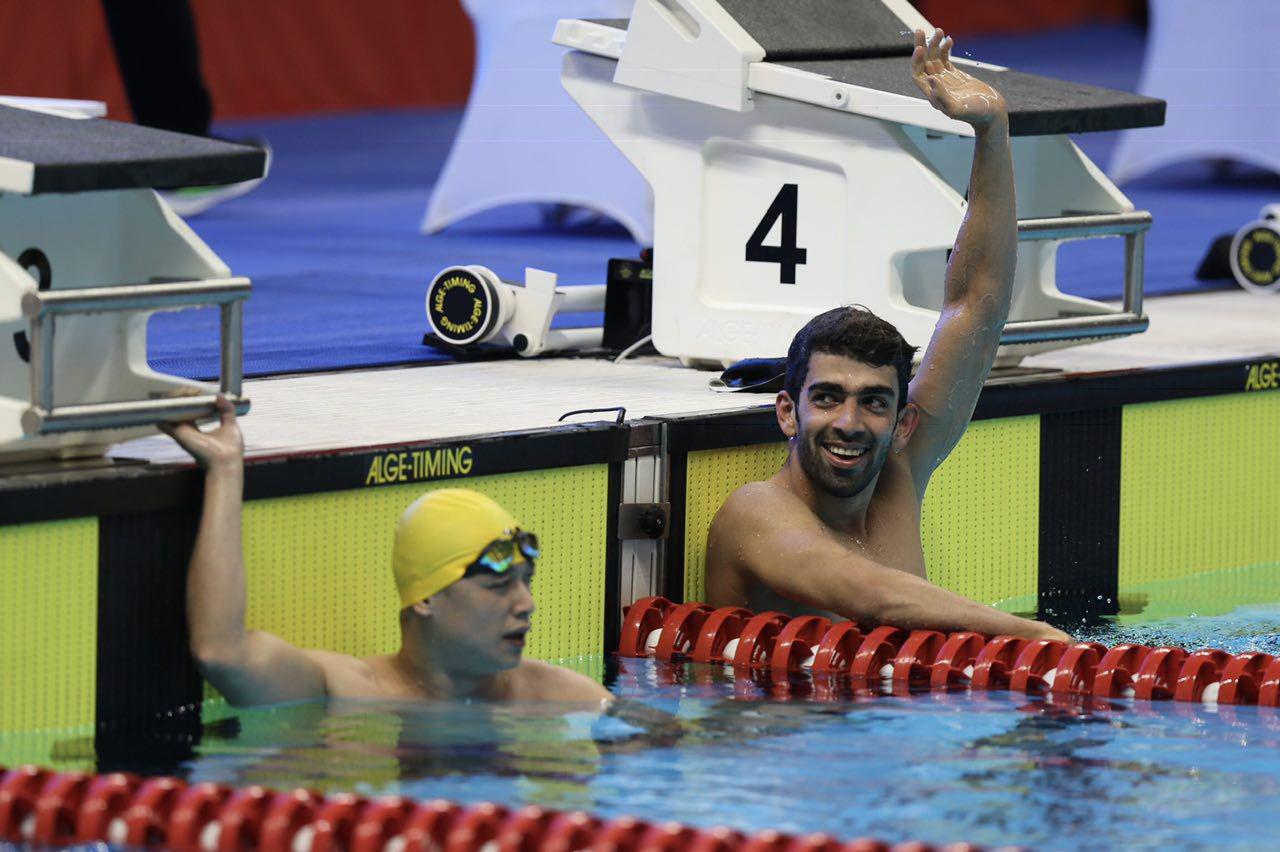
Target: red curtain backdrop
[1012, 16]
[260, 57]
[275, 57]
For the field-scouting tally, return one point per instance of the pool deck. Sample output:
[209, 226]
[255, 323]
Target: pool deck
[319, 413]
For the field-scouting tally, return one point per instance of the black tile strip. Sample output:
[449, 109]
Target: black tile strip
[147, 683]
[673, 560]
[612, 560]
[1079, 514]
[1082, 392]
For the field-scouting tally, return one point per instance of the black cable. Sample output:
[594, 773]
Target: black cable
[622, 413]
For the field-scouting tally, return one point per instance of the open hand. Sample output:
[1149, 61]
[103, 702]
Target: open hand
[953, 92]
[220, 447]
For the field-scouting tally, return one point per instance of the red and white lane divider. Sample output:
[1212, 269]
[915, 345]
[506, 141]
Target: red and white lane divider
[656, 627]
[56, 809]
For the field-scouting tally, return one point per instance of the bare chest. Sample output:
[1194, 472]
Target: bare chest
[892, 535]
[371, 677]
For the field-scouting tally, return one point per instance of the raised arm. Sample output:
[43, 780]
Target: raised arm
[248, 667]
[979, 281]
[780, 543]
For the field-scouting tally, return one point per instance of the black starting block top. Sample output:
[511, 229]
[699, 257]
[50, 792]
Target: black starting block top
[822, 29]
[863, 43]
[48, 153]
[1037, 105]
[815, 29]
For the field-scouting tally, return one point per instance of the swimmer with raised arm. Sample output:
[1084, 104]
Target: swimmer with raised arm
[463, 568]
[837, 529]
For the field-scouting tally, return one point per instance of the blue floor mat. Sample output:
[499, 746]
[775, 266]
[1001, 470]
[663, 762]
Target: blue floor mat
[340, 270]
[331, 243]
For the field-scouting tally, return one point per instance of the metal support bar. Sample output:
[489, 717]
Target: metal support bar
[115, 415]
[1088, 225]
[43, 308]
[129, 297]
[1101, 325]
[1130, 319]
[232, 356]
[41, 352]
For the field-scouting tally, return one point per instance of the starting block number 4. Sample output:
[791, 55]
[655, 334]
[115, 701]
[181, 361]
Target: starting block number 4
[775, 232]
[787, 255]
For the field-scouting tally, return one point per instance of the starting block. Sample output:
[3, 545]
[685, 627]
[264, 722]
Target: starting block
[795, 167]
[87, 252]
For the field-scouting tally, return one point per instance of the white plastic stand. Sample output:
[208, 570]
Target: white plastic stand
[1216, 66]
[781, 193]
[80, 274]
[522, 140]
[62, 107]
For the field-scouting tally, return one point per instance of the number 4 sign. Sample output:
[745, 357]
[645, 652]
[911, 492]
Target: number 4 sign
[787, 255]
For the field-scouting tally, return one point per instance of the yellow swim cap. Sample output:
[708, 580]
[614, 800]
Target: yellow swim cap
[439, 535]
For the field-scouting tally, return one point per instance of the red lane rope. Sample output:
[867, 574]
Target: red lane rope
[773, 642]
[44, 808]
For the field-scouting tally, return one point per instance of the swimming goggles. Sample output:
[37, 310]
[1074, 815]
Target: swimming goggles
[500, 554]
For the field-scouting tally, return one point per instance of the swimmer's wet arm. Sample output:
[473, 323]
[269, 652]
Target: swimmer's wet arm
[790, 552]
[248, 667]
[659, 728]
[826, 575]
[980, 273]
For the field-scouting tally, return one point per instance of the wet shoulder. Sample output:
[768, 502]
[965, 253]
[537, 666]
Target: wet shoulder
[346, 676]
[535, 680]
[755, 502]
[735, 538]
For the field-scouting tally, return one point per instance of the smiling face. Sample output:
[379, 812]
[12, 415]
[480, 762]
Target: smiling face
[843, 423]
[483, 619]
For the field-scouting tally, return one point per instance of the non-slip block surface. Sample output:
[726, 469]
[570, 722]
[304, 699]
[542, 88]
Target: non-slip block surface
[822, 29]
[814, 29]
[79, 155]
[1037, 105]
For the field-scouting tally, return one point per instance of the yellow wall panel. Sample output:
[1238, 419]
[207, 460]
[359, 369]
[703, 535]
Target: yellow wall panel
[981, 516]
[48, 624]
[69, 750]
[1198, 486]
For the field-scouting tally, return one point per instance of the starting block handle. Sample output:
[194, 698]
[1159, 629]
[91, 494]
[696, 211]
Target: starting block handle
[1133, 227]
[132, 297]
[43, 308]
[116, 415]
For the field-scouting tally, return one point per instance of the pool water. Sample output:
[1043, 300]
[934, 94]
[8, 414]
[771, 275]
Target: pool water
[992, 769]
[704, 746]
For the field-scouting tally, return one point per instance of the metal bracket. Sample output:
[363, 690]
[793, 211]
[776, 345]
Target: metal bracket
[43, 308]
[1130, 320]
[644, 521]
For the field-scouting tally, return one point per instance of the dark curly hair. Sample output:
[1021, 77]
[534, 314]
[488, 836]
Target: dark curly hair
[851, 331]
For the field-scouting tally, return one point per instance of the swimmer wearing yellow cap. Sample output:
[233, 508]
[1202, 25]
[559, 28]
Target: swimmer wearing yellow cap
[463, 568]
